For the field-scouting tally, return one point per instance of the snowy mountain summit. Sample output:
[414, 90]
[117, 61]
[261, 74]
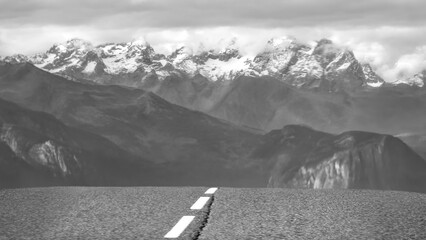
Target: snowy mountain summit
[322, 66]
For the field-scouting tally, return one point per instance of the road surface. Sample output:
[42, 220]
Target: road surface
[315, 214]
[228, 213]
[96, 212]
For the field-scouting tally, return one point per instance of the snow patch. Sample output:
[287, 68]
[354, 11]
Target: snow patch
[48, 60]
[61, 48]
[217, 69]
[344, 66]
[90, 67]
[375, 84]
[416, 80]
[163, 62]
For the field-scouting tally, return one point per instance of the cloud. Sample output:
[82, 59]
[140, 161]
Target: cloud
[383, 32]
[213, 13]
[406, 66]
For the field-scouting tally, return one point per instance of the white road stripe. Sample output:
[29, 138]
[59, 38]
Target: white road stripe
[199, 204]
[211, 190]
[179, 227]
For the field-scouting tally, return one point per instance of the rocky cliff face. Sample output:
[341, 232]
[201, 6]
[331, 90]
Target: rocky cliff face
[305, 158]
[57, 159]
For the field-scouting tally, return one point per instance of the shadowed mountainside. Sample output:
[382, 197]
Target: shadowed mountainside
[268, 104]
[185, 147]
[416, 141]
[301, 157]
[38, 150]
[194, 147]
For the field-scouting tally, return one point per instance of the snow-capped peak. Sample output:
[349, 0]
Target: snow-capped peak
[326, 48]
[280, 44]
[139, 42]
[415, 80]
[16, 58]
[181, 54]
[225, 46]
[371, 78]
[74, 44]
[78, 43]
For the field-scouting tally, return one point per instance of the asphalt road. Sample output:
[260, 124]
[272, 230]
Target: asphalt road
[151, 212]
[315, 214]
[97, 213]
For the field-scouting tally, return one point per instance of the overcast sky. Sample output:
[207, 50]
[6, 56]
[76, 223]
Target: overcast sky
[390, 34]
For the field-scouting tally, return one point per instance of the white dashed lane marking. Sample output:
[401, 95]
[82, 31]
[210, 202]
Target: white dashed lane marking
[184, 222]
[179, 227]
[211, 190]
[199, 204]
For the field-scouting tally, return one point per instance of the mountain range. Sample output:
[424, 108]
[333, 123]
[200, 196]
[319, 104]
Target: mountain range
[209, 118]
[323, 86]
[324, 66]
